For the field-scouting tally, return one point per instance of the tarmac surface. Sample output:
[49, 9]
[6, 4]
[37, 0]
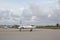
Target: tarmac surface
[25, 34]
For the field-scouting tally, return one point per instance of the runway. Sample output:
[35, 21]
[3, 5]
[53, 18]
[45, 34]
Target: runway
[36, 34]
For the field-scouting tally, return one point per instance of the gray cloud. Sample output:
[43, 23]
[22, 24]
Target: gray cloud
[7, 17]
[42, 18]
[33, 15]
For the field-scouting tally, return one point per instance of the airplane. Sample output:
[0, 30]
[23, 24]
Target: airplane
[26, 27]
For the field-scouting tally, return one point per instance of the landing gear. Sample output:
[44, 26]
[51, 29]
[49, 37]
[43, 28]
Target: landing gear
[20, 30]
[30, 29]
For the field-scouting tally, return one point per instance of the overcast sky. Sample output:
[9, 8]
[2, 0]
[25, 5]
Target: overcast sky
[30, 12]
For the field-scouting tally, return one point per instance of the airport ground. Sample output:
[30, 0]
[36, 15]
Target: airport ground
[25, 34]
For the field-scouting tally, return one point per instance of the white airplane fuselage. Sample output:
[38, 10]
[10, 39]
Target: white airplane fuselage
[26, 27]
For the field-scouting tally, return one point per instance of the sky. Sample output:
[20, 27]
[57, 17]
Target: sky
[29, 12]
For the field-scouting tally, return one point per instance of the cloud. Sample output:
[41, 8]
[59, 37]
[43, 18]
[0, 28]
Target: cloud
[44, 12]
[34, 18]
[17, 11]
[49, 15]
[36, 15]
[10, 15]
[54, 15]
[36, 9]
